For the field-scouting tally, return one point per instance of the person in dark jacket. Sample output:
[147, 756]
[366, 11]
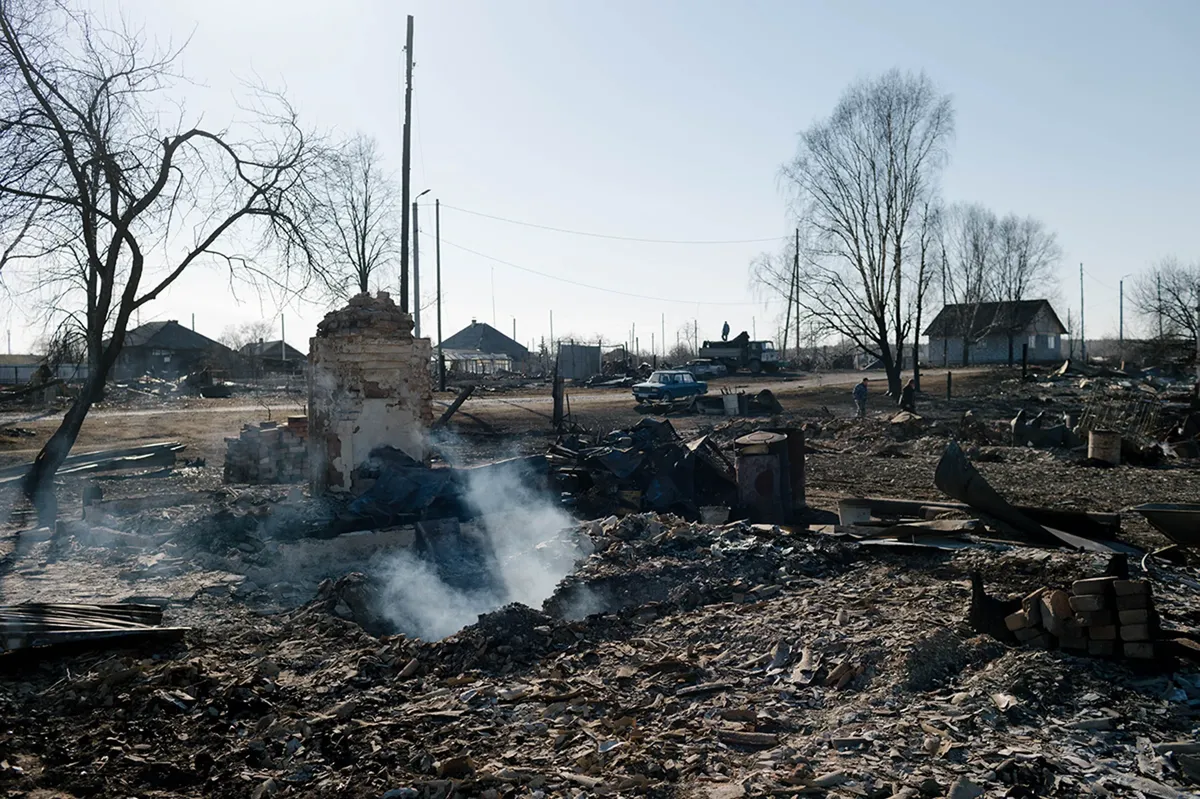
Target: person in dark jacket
[908, 396]
[860, 398]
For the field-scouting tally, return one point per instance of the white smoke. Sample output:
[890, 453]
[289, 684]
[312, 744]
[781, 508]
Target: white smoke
[528, 544]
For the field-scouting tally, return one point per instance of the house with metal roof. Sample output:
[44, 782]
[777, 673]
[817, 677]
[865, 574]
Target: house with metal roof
[273, 356]
[169, 350]
[996, 332]
[481, 348]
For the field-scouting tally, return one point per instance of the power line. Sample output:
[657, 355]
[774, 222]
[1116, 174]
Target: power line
[607, 236]
[1098, 280]
[583, 285]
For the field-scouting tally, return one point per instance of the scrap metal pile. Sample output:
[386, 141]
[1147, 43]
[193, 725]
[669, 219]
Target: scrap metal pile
[646, 467]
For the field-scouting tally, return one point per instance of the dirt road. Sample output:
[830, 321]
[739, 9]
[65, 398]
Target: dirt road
[608, 396]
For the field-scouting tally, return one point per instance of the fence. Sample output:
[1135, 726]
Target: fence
[20, 374]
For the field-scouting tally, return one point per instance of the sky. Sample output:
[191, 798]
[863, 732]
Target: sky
[670, 119]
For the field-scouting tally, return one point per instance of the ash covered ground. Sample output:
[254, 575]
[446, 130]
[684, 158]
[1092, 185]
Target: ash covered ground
[642, 655]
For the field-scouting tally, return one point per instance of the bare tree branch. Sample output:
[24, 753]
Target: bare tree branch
[90, 182]
[858, 182]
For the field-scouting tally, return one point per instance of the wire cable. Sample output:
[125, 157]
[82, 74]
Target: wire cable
[607, 236]
[578, 283]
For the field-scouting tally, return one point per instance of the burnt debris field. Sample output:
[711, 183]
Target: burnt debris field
[608, 609]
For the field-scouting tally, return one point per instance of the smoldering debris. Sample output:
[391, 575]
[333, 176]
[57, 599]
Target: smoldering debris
[519, 548]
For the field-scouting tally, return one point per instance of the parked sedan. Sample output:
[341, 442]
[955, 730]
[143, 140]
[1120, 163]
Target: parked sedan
[668, 386]
[706, 367]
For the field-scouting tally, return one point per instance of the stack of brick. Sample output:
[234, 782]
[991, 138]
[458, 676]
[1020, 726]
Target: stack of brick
[1102, 616]
[268, 453]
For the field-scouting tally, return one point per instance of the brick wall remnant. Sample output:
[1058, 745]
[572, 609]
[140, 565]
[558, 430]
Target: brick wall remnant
[267, 453]
[368, 386]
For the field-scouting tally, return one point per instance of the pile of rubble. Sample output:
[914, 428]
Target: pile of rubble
[267, 453]
[377, 314]
[1102, 616]
[646, 467]
[680, 659]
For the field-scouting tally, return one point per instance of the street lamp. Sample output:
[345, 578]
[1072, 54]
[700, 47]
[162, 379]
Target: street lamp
[416, 269]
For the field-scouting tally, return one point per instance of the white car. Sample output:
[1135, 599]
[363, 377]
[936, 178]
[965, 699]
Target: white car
[706, 367]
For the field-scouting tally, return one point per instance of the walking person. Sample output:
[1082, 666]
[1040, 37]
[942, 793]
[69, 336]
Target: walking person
[908, 396]
[860, 398]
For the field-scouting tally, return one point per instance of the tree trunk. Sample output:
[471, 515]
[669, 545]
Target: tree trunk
[916, 351]
[891, 367]
[966, 352]
[38, 485]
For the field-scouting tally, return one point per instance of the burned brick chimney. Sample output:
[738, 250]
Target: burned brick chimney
[368, 386]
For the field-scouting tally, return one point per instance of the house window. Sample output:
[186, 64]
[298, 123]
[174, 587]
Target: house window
[1033, 342]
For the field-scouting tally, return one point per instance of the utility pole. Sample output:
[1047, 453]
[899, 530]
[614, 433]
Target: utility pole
[551, 350]
[1121, 318]
[696, 336]
[405, 160]
[946, 333]
[1070, 337]
[437, 254]
[193, 323]
[663, 320]
[416, 274]
[514, 328]
[1159, 309]
[1083, 335]
[796, 291]
[282, 339]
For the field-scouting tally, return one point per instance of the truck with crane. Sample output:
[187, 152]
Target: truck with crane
[741, 353]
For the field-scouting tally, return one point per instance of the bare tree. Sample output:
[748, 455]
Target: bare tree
[356, 224]
[859, 180]
[101, 178]
[1027, 257]
[237, 336]
[1166, 298]
[968, 252]
[773, 274]
[927, 257]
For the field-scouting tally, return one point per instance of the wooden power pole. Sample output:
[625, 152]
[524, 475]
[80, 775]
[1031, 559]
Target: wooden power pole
[404, 163]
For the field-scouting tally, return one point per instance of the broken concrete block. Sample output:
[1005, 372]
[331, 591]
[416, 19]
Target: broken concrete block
[1017, 621]
[1131, 587]
[1041, 641]
[1027, 634]
[1032, 605]
[1102, 633]
[1139, 649]
[1137, 616]
[1056, 608]
[1135, 632]
[1088, 603]
[1133, 602]
[1102, 649]
[1098, 618]
[1093, 585]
